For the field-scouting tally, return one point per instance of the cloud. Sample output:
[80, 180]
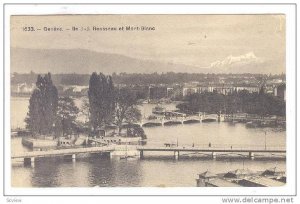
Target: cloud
[241, 60]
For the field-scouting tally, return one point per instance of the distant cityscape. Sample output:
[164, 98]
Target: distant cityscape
[219, 83]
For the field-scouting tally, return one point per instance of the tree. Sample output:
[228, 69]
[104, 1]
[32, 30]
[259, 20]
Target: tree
[253, 103]
[133, 115]
[209, 102]
[136, 131]
[85, 111]
[125, 108]
[66, 115]
[43, 103]
[101, 100]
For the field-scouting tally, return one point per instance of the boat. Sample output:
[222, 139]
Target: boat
[233, 122]
[127, 157]
[208, 120]
[251, 125]
[158, 110]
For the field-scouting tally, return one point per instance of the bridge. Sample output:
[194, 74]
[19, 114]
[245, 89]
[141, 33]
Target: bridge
[175, 120]
[212, 150]
[30, 156]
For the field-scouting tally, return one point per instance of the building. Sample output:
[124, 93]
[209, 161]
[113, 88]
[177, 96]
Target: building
[176, 93]
[242, 178]
[170, 92]
[209, 179]
[260, 181]
[157, 92]
[25, 88]
[249, 88]
[186, 91]
[238, 174]
[202, 89]
[221, 183]
[280, 90]
[204, 178]
[221, 89]
[224, 89]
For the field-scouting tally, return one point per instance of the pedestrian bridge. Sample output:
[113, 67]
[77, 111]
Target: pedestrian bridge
[212, 150]
[177, 150]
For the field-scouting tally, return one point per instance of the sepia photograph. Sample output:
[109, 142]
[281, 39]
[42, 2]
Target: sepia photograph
[148, 100]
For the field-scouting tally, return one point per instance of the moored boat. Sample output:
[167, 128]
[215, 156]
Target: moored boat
[159, 110]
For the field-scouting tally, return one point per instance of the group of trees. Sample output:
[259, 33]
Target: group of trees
[125, 108]
[253, 103]
[106, 105]
[47, 112]
[43, 104]
[101, 100]
[109, 105]
[66, 115]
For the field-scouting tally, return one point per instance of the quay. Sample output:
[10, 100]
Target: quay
[249, 118]
[29, 157]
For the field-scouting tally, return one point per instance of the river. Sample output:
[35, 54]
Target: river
[154, 170]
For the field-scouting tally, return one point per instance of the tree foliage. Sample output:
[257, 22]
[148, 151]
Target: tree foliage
[66, 115]
[136, 131]
[125, 108]
[101, 100]
[43, 103]
[253, 103]
[85, 111]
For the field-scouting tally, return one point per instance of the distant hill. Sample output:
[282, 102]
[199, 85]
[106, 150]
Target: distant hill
[85, 62]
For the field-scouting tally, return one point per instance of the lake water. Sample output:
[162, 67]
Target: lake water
[154, 170]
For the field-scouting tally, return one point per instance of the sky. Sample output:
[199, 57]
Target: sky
[204, 41]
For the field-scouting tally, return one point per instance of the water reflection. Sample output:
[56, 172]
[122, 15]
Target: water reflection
[153, 171]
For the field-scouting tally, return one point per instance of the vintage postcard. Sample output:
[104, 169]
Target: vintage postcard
[149, 100]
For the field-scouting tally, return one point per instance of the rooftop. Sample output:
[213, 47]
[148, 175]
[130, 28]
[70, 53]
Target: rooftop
[238, 172]
[207, 174]
[264, 181]
[222, 183]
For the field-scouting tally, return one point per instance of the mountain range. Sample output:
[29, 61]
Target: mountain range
[81, 61]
